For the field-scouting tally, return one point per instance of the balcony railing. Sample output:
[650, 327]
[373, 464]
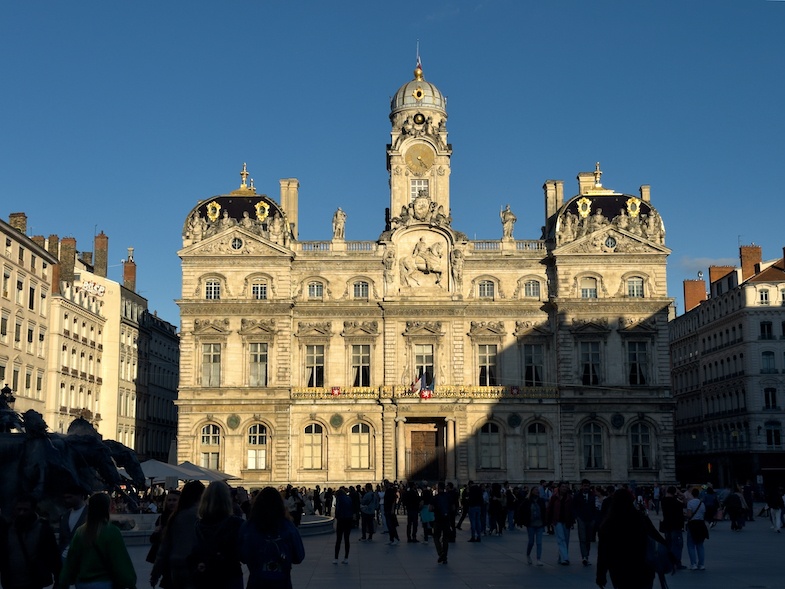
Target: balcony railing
[439, 392]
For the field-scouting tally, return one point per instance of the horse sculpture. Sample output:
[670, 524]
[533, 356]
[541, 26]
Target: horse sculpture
[42, 464]
[425, 259]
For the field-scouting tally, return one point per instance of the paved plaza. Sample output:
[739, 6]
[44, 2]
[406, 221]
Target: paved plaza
[753, 558]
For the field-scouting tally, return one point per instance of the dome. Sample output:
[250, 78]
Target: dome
[418, 94]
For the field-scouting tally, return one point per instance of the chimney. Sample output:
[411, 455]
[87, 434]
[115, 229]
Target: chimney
[101, 249]
[53, 244]
[67, 259]
[289, 188]
[129, 271]
[18, 221]
[645, 193]
[694, 293]
[86, 258]
[585, 182]
[56, 279]
[718, 272]
[554, 197]
[750, 256]
[38, 240]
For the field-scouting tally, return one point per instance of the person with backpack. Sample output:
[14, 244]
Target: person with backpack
[344, 520]
[215, 559]
[270, 543]
[444, 513]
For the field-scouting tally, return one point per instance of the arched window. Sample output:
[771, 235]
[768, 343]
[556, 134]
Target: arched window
[257, 447]
[640, 445]
[212, 289]
[211, 440]
[312, 446]
[531, 289]
[361, 290]
[360, 446]
[588, 288]
[537, 446]
[315, 290]
[635, 287]
[490, 446]
[485, 289]
[591, 435]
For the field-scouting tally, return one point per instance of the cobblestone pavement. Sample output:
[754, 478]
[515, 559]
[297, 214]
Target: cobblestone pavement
[753, 558]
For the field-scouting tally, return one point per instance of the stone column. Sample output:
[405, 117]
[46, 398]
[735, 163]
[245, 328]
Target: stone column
[450, 466]
[400, 448]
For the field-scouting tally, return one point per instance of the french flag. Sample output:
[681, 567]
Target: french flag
[419, 384]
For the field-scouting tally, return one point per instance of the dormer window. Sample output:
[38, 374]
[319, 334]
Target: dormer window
[315, 290]
[763, 296]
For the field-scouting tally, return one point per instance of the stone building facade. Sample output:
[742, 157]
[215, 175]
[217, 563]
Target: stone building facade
[425, 354]
[728, 353]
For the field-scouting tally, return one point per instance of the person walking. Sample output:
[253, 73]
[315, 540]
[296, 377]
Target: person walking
[270, 543]
[215, 557]
[561, 518]
[97, 556]
[532, 514]
[697, 531]
[411, 502]
[672, 525]
[29, 556]
[344, 519]
[169, 506]
[584, 507]
[775, 502]
[623, 545]
[75, 501]
[178, 540]
[391, 519]
[474, 504]
[443, 512]
[736, 509]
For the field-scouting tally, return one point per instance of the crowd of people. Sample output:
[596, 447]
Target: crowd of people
[203, 535]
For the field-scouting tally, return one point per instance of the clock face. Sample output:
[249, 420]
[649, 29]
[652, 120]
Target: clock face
[419, 158]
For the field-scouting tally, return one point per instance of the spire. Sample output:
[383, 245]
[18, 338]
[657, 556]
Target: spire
[244, 176]
[418, 67]
[597, 176]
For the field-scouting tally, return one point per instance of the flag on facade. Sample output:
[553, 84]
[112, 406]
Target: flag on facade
[426, 393]
[418, 384]
[335, 391]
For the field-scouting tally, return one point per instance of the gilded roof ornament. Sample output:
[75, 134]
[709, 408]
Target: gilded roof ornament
[597, 176]
[244, 187]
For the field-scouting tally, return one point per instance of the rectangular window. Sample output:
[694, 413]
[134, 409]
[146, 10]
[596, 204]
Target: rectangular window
[20, 287]
[590, 362]
[773, 436]
[211, 365]
[766, 331]
[418, 185]
[638, 363]
[6, 283]
[487, 364]
[315, 290]
[18, 334]
[209, 460]
[21, 256]
[533, 365]
[4, 330]
[31, 300]
[635, 287]
[258, 364]
[212, 290]
[314, 365]
[423, 364]
[361, 365]
[259, 291]
[588, 288]
[763, 296]
[770, 398]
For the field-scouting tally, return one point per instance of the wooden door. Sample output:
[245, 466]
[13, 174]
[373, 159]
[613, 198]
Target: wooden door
[424, 462]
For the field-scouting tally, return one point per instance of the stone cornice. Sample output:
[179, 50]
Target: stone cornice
[236, 307]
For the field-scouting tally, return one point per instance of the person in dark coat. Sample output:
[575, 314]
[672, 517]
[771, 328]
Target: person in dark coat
[344, 519]
[29, 557]
[672, 525]
[584, 507]
[623, 543]
[532, 512]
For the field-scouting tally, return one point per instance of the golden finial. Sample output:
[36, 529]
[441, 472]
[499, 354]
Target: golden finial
[244, 176]
[597, 176]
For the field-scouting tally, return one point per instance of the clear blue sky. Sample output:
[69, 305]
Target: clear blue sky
[120, 116]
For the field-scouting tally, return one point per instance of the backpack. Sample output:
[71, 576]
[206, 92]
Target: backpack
[274, 561]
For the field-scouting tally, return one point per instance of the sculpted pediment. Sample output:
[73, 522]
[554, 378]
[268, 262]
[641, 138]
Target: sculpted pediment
[533, 329]
[429, 328]
[360, 328]
[638, 326]
[487, 328]
[211, 327]
[611, 240]
[589, 327]
[235, 241]
[257, 327]
[317, 329]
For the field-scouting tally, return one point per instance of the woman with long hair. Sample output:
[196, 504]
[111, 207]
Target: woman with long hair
[532, 514]
[215, 555]
[623, 545]
[170, 504]
[270, 543]
[178, 540]
[97, 556]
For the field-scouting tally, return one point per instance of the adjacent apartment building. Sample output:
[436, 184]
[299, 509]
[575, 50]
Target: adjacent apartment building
[728, 373]
[422, 353]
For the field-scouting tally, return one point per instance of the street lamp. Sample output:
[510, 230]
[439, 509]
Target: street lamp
[8, 418]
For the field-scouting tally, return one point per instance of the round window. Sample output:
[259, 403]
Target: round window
[237, 243]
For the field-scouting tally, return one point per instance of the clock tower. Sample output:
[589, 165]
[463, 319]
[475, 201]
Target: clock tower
[418, 156]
